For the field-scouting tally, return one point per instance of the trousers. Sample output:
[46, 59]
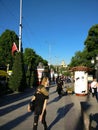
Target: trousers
[35, 123]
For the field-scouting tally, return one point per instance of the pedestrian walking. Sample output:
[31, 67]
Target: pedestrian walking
[59, 86]
[45, 82]
[93, 87]
[41, 98]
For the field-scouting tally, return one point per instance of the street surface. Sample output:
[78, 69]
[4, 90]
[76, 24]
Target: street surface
[62, 113]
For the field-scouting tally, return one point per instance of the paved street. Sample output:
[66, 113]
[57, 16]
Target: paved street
[62, 113]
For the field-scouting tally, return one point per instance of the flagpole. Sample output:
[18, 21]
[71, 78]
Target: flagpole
[20, 28]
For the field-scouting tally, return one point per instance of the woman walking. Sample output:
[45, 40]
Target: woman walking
[59, 86]
[40, 97]
[45, 82]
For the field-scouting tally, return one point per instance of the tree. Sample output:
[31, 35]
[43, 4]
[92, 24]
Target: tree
[79, 59]
[6, 41]
[90, 50]
[17, 79]
[29, 59]
[91, 42]
[32, 60]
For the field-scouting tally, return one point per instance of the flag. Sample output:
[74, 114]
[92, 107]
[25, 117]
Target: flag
[14, 48]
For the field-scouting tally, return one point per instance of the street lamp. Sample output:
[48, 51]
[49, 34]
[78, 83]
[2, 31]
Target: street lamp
[96, 66]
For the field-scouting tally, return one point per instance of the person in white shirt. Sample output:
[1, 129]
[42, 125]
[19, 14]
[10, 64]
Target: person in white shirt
[93, 87]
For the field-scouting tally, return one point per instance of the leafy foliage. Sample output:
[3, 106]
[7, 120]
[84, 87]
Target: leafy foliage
[23, 65]
[6, 42]
[91, 43]
[90, 50]
[31, 60]
[17, 79]
[79, 59]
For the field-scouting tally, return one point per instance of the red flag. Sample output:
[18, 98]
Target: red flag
[14, 48]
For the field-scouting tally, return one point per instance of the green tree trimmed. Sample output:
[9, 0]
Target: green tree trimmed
[17, 81]
[31, 60]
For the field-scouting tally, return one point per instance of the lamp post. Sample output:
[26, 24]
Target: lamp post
[96, 66]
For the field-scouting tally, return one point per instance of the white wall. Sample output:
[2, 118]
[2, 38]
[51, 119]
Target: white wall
[81, 82]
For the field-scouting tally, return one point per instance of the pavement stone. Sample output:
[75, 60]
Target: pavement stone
[63, 113]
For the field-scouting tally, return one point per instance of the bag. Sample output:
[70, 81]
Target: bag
[32, 105]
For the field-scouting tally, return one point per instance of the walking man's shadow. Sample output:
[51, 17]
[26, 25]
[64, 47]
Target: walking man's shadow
[60, 114]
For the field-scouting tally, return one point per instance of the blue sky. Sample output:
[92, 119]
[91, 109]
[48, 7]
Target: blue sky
[55, 29]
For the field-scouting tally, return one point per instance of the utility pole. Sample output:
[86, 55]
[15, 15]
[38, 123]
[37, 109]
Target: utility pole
[20, 28]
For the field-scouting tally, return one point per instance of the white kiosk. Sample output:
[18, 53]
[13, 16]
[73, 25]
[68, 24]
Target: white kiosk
[81, 80]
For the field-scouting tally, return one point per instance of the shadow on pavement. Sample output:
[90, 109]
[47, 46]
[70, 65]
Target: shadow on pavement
[10, 98]
[54, 100]
[79, 125]
[60, 114]
[13, 98]
[8, 109]
[10, 125]
[52, 92]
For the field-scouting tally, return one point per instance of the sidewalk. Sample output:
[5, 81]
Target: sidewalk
[62, 113]
[89, 110]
